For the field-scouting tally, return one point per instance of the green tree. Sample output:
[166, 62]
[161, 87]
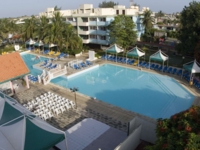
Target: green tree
[30, 27]
[62, 34]
[190, 29]
[43, 27]
[160, 14]
[56, 8]
[72, 41]
[109, 4]
[122, 31]
[8, 26]
[180, 132]
[55, 30]
[147, 20]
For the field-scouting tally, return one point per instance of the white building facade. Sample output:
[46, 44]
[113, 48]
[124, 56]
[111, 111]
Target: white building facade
[91, 23]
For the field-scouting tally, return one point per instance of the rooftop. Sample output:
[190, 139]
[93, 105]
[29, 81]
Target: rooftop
[12, 66]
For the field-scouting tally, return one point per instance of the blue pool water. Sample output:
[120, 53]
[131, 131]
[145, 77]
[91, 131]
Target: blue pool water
[31, 60]
[148, 94]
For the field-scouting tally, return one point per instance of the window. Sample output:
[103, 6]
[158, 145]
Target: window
[84, 28]
[93, 36]
[93, 28]
[102, 19]
[93, 19]
[117, 12]
[70, 19]
[85, 19]
[102, 28]
[102, 37]
[123, 12]
[84, 37]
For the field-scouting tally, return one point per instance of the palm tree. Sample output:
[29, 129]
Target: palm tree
[56, 8]
[55, 30]
[72, 40]
[30, 27]
[147, 20]
[7, 26]
[62, 34]
[43, 27]
[4, 28]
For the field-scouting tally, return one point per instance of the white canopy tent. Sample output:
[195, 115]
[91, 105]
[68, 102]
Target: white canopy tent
[193, 67]
[159, 56]
[29, 43]
[135, 52]
[49, 46]
[114, 49]
[22, 130]
[39, 44]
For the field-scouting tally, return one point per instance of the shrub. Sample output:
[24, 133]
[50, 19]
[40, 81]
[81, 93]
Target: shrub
[97, 55]
[180, 132]
[75, 51]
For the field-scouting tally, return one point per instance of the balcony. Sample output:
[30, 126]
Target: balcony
[94, 41]
[103, 23]
[92, 31]
[73, 23]
[101, 32]
[92, 23]
[84, 32]
[85, 41]
[83, 23]
[103, 42]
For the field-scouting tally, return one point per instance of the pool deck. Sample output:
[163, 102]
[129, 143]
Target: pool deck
[86, 104]
[88, 107]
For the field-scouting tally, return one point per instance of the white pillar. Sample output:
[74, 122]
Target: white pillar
[11, 86]
[27, 82]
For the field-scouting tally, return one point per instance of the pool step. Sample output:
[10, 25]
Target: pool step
[170, 93]
[162, 85]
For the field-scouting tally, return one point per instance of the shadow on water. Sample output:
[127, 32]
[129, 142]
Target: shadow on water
[147, 103]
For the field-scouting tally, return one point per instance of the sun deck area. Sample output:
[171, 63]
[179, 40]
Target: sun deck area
[88, 107]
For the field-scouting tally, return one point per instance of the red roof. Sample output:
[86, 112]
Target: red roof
[12, 66]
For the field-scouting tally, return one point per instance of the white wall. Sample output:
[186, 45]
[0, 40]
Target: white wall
[86, 6]
[131, 12]
[132, 141]
[104, 11]
[5, 86]
[50, 10]
[148, 132]
[87, 10]
[66, 12]
[119, 7]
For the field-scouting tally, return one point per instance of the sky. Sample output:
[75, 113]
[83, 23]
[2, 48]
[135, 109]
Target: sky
[17, 8]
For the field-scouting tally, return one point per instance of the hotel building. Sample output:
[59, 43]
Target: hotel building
[91, 23]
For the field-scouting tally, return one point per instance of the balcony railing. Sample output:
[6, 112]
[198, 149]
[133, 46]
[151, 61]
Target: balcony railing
[83, 23]
[83, 32]
[86, 41]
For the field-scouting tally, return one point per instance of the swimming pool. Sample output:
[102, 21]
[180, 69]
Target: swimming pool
[31, 60]
[148, 94]
[152, 95]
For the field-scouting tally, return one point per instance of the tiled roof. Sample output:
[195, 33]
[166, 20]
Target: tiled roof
[12, 66]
